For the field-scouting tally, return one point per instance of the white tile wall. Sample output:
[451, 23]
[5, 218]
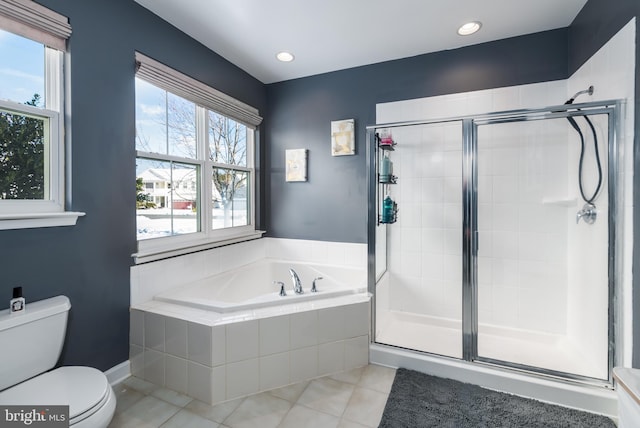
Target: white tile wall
[199, 343]
[243, 341]
[303, 364]
[150, 279]
[612, 73]
[176, 337]
[274, 335]
[274, 371]
[153, 278]
[223, 362]
[243, 378]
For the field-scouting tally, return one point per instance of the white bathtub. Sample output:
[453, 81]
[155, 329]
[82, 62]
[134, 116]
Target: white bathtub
[252, 286]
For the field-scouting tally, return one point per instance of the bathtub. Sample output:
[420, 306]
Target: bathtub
[252, 286]
[232, 335]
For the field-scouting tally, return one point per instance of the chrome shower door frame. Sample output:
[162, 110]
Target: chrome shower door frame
[470, 246]
[611, 108]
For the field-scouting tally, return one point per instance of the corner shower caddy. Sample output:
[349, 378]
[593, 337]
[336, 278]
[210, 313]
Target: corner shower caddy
[384, 147]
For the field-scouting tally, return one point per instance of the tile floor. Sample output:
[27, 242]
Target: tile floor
[353, 399]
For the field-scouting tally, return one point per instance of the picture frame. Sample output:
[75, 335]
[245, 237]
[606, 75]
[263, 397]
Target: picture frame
[296, 165]
[343, 140]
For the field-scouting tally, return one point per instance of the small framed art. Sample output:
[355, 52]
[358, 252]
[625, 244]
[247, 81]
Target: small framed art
[343, 139]
[296, 164]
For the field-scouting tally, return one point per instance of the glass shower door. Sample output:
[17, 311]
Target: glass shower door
[418, 297]
[542, 266]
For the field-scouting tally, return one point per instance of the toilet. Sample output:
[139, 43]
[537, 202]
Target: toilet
[31, 345]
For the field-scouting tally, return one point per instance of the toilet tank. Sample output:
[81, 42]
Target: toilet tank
[32, 340]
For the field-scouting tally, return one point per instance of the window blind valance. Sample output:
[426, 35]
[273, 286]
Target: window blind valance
[34, 21]
[179, 84]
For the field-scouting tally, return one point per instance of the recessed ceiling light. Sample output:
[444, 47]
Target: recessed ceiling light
[469, 28]
[284, 56]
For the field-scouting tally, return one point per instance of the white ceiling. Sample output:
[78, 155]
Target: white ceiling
[329, 35]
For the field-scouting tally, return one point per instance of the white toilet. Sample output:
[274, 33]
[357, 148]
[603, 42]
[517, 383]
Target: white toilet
[31, 345]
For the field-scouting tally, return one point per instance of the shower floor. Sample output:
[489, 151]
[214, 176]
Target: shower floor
[444, 337]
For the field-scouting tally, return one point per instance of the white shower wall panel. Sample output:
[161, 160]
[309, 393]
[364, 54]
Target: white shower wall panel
[427, 273]
[522, 250]
[425, 243]
[611, 72]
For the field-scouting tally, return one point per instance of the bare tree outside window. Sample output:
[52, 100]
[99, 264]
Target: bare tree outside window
[167, 124]
[228, 146]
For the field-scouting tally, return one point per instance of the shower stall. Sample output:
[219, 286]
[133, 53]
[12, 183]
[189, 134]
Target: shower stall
[493, 239]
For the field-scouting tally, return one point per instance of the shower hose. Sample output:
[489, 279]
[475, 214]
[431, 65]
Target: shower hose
[582, 150]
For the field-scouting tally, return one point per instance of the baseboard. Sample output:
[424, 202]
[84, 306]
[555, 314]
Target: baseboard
[119, 372]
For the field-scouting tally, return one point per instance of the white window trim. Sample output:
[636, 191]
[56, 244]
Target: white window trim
[36, 22]
[205, 98]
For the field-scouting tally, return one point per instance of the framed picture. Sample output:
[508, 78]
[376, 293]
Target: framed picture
[343, 139]
[296, 164]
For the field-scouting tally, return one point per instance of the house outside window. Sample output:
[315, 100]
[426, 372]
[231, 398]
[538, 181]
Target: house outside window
[32, 116]
[195, 169]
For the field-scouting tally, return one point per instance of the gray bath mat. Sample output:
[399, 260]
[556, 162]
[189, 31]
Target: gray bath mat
[419, 400]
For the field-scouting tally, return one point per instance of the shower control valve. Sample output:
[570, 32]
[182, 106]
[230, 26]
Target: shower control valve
[588, 214]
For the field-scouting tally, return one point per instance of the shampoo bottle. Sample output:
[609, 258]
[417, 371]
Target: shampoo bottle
[387, 210]
[386, 169]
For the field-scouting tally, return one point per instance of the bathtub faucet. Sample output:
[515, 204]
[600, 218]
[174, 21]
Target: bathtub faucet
[297, 285]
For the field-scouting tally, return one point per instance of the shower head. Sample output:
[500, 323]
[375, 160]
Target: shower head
[589, 91]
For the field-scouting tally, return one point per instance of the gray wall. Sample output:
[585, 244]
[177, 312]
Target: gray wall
[332, 205]
[90, 262]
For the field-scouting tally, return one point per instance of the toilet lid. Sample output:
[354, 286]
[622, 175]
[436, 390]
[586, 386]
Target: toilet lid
[82, 388]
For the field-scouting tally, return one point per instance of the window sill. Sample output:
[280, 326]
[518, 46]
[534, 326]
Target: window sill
[33, 220]
[191, 247]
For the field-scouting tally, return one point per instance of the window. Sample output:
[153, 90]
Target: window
[195, 170]
[32, 116]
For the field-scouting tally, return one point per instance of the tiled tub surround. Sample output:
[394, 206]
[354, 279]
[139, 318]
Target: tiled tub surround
[215, 357]
[219, 362]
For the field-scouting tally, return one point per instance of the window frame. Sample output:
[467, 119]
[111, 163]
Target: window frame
[201, 95]
[37, 23]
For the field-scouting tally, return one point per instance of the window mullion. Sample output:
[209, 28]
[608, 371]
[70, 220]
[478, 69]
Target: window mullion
[202, 148]
[251, 189]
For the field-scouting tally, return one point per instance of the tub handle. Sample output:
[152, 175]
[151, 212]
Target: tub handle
[281, 284]
[314, 289]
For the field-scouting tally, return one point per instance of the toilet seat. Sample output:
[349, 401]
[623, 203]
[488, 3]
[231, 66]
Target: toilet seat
[84, 389]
